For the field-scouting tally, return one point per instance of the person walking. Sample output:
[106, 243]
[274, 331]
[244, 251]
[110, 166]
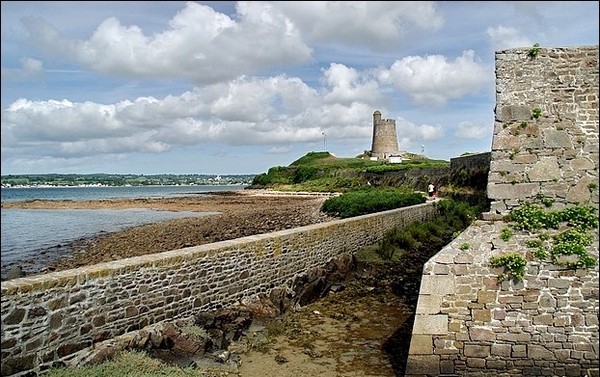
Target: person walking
[431, 190]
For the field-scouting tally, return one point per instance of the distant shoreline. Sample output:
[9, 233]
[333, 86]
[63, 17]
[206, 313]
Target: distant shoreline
[108, 186]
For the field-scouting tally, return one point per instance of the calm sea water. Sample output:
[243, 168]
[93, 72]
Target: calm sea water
[31, 235]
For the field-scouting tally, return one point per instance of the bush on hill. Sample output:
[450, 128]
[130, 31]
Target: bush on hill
[370, 200]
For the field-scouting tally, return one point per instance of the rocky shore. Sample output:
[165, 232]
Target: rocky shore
[240, 214]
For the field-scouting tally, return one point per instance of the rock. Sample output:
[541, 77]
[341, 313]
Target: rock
[15, 273]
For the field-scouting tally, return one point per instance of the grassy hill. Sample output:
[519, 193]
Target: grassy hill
[321, 171]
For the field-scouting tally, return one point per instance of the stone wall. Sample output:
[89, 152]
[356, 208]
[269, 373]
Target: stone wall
[467, 323]
[471, 161]
[555, 154]
[49, 318]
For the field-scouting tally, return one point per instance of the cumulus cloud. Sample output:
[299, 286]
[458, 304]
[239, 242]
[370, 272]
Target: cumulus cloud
[201, 45]
[348, 85]
[30, 70]
[343, 60]
[470, 130]
[280, 149]
[507, 37]
[205, 46]
[246, 111]
[434, 80]
[375, 24]
[417, 133]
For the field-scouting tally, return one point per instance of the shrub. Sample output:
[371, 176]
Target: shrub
[365, 201]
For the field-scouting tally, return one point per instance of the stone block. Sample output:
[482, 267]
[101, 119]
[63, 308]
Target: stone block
[510, 191]
[475, 363]
[557, 139]
[482, 334]
[501, 350]
[483, 315]
[429, 304]
[421, 345]
[508, 113]
[436, 284]
[477, 350]
[547, 169]
[536, 352]
[430, 324]
[486, 297]
[423, 365]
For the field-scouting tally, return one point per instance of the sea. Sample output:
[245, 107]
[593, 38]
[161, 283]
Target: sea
[30, 236]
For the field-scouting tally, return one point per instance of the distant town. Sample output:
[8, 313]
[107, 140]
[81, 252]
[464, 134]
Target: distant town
[90, 180]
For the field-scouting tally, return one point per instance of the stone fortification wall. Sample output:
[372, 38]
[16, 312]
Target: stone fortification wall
[418, 179]
[471, 161]
[466, 322]
[546, 127]
[49, 318]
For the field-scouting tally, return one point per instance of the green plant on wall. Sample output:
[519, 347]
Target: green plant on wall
[536, 113]
[505, 234]
[569, 244]
[534, 51]
[513, 263]
[567, 248]
[546, 201]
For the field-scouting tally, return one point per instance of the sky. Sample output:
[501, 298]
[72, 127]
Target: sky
[170, 87]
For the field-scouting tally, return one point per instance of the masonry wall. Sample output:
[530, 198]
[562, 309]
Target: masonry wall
[466, 322]
[555, 154]
[48, 318]
[471, 161]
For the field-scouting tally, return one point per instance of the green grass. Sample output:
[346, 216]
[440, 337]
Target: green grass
[131, 364]
[321, 171]
[454, 217]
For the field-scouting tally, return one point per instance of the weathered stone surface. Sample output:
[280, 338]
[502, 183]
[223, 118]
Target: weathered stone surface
[512, 112]
[14, 317]
[512, 191]
[546, 169]
[557, 139]
[581, 192]
[423, 365]
[537, 326]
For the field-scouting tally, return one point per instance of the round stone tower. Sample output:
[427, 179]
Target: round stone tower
[385, 140]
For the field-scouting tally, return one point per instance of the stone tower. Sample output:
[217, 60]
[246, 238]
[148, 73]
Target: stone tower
[385, 141]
